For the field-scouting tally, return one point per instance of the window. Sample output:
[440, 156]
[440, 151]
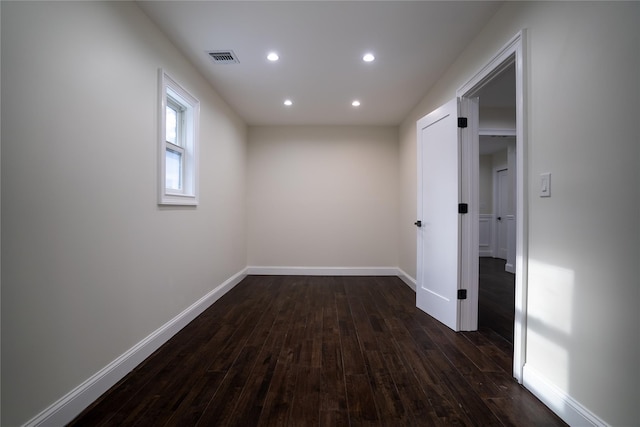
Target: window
[178, 144]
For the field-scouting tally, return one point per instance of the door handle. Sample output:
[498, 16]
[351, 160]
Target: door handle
[418, 223]
[499, 218]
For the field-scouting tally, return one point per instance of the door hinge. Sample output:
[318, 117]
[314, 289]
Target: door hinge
[462, 294]
[462, 122]
[463, 208]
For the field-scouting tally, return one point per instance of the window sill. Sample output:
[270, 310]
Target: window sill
[178, 200]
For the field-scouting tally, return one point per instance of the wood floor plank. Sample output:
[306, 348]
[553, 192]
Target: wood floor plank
[353, 361]
[322, 351]
[333, 419]
[333, 399]
[251, 401]
[410, 404]
[277, 405]
[488, 347]
[364, 330]
[385, 393]
[193, 405]
[496, 303]
[305, 409]
[515, 412]
[411, 395]
[360, 401]
[437, 395]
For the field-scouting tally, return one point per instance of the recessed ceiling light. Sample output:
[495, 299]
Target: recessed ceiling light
[272, 56]
[368, 57]
[288, 102]
[356, 103]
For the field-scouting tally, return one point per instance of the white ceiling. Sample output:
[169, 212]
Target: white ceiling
[498, 93]
[321, 44]
[490, 144]
[501, 91]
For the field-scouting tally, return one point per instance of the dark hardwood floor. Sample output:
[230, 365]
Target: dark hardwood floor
[325, 351]
[496, 299]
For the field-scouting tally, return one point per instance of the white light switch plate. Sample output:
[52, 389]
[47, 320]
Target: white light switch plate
[545, 184]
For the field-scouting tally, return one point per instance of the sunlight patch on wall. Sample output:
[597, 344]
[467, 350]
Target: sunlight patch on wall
[551, 296]
[550, 319]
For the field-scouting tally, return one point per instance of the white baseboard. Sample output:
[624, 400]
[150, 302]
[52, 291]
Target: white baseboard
[74, 402]
[567, 408]
[510, 268]
[323, 271]
[334, 271]
[410, 281]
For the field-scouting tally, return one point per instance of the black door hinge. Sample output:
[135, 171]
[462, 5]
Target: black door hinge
[462, 122]
[462, 294]
[463, 208]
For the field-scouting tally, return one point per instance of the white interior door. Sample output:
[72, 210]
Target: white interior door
[502, 197]
[438, 226]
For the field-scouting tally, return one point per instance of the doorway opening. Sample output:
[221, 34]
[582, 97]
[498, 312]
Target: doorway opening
[507, 62]
[447, 274]
[496, 189]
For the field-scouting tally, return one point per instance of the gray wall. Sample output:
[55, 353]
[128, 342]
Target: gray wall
[91, 264]
[582, 70]
[328, 195]
[86, 271]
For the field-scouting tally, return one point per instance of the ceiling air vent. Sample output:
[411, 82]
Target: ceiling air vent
[223, 57]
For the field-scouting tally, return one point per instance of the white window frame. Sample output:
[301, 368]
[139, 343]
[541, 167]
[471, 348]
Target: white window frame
[171, 93]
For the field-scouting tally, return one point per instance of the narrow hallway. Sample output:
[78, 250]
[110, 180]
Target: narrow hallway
[496, 298]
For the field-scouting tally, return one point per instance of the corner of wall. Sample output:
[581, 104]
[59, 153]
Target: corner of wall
[73, 403]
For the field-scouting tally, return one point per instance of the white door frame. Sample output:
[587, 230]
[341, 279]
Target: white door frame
[497, 196]
[512, 52]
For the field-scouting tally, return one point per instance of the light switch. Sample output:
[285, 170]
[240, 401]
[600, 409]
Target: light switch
[545, 184]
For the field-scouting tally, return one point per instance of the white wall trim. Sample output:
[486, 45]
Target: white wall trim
[513, 52]
[74, 402]
[567, 408]
[496, 229]
[485, 235]
[497, 132]
[410, 281]
[510, 265]
[335, 271]
[323, 271]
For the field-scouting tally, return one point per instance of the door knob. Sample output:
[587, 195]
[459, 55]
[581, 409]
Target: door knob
[499, 218]
[418, 223]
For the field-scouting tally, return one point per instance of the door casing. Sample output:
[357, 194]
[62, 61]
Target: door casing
[512, 52]
[501, 238]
